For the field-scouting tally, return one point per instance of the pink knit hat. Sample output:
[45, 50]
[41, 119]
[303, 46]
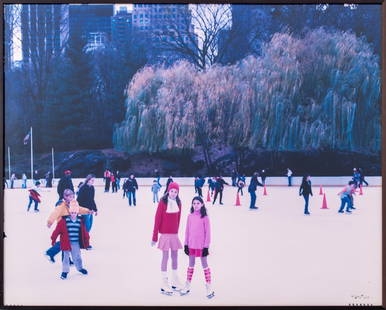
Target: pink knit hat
[174, 185]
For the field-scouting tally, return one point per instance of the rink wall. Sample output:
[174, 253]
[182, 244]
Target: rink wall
[270, 181]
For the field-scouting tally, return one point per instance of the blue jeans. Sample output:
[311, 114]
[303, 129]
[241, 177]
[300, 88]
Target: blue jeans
[253, 199]
[306, 198]
[345, 200]
[129, 194]
[155, 197]
[289, 181]
[30, 202]
[55, 249]
[88, 220]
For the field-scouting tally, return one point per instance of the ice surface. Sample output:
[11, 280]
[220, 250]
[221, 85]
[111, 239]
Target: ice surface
[272, 256]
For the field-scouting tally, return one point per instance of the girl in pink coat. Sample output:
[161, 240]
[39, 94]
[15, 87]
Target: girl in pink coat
[197, 240]
[167, 223]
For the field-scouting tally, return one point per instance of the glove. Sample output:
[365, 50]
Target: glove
[153, 243]
[186, 250]
[205, 252]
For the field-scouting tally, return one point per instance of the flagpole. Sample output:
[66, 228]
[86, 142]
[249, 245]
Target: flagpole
[9, 163]
[53, 164]
[32, 160]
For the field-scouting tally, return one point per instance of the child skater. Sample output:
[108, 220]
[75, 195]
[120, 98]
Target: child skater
[346, 197]
[306, 190]
[155, 189]
[167, 222]
[73, 237]
[34, 196]
[197, 240]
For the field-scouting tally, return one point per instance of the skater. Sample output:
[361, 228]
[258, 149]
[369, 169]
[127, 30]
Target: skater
[65, 183]
[157, 176]
[234, 178]
[129, 188]
[240, 184]
[5, 183]
[118, 180]
[252, 190]
[155, 189]
[170, 180]
[195, 185]
[219, 189]
[167, 222]
[34, 196]
[197, 241]
[212, 185]
[86, 199]
[362, 177]
[200, 183]
[289, 175]
[113, 183]
[62, 209]
[306, 190]
[36, 176]
[345, 194]
[48, 179]
[73, 237]
[24, 178]
[13, 178]
[107, 178]
[263, 175]
[356, 177]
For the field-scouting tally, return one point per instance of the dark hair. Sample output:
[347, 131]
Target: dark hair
[351, 183]
[202, 210]
[166, 197]
[304, 180]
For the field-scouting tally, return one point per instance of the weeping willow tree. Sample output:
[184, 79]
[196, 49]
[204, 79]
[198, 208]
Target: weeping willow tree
[320, 91]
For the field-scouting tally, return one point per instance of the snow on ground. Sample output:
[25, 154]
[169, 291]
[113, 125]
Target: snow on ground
[272, 256]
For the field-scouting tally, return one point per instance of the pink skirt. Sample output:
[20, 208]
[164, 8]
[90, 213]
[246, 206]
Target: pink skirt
[195, 252]
[169, 242]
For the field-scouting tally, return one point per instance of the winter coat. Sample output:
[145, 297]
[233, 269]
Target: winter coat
[86, 197]
[62, 210]
[130, 185]
[155, 188]
[62, 231]
[64, 183]
[166, 223]
[200, 182]
[219, 185]
[305, 188]
[253, 185]
[33, 193]
[197, 233]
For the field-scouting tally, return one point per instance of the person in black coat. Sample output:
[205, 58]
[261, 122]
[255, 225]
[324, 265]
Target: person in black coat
[86, 199]
[130, 187]
[252, 190]
[65, 183]
[170, 180]
[49, 179]
[234, 177]
[306, 190]
[219, 188]
[362, 177]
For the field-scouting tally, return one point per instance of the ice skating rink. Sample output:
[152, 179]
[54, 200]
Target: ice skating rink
[271, 256]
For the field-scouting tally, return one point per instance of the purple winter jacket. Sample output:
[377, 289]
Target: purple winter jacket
[197, 234]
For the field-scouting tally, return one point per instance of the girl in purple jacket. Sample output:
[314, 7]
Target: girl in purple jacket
[197, 240]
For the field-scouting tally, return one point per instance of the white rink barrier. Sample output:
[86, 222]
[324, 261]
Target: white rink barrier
[186, 181]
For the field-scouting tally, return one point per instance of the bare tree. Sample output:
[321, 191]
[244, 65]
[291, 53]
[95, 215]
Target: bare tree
[196, 35]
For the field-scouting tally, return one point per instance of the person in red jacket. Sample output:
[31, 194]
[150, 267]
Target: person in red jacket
[167, 222]
[73, 237]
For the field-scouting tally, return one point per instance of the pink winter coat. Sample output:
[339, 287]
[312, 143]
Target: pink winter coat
[197, 234]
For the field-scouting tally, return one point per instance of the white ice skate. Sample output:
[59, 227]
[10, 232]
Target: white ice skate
[165, 288]
[209, 291]
[186, 289]
[176, 284]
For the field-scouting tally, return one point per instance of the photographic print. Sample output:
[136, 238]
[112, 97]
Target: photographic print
[192, 154]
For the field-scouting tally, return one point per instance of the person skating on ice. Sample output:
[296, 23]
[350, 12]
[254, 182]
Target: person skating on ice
[166, 223]
[86, 199]
[62, 209]
[219, 188]
[345, 197]
[64, 183]
[197, 241]
[107, 178]
[306, 190]
[212, 185]
[356, 177]
[113, 180]
[252, 190]
[289, 176]
[129, 188]
[234, 178]
[200, 183]
[170, 180]
[240, 184]
[73, 237]
[34, 196]
[362, 177]
[24, 178]
[155, 189]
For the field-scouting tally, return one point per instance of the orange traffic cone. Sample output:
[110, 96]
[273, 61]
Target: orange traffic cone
[265, 191]
[321, 190]
[360, 190]
[324, 204]
[238, 200]
[208, 196]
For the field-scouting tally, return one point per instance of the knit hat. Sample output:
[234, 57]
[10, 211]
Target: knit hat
[74, 207]
[174, 185]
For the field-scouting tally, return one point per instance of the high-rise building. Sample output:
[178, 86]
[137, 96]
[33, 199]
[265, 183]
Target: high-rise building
[44, 30]
[92, 22]
[121, 26]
